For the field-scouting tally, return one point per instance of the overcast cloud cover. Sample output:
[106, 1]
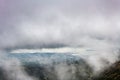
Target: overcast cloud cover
[90, 23]
[93, 24]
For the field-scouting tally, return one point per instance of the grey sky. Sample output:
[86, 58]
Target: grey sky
[62, 22]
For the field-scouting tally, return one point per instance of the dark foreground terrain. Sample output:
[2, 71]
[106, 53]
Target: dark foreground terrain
[113, 73]
[60, 71]
[81, 72]
[64, 67]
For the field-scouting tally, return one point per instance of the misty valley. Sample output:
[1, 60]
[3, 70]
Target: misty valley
[52, 66]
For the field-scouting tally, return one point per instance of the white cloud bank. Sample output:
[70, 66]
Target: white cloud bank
[51, 50]
[41, 23]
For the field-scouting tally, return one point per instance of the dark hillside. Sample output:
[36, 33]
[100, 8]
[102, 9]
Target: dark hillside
[113, 73]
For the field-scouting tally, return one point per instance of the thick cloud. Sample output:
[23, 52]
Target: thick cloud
[48, 23]
[90, 24]
[72, 23]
